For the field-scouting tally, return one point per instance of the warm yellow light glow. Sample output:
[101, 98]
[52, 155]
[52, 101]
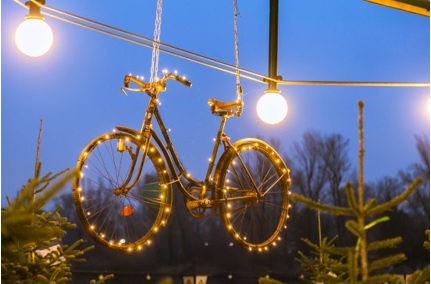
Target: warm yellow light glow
[429, 106]
[272, 107]
[34, 37]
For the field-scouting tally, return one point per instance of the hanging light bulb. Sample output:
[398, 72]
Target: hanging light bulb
[34, 37]
[272, 107]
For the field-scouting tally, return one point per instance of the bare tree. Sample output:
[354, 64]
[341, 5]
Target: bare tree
[308, 173]
[420, 200]
[320, 165]
[337, 165]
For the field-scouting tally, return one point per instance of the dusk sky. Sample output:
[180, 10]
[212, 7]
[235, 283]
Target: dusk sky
[75, 87]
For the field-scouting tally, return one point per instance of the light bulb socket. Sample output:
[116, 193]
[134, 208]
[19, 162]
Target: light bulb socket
[34, 9]
[272, 91]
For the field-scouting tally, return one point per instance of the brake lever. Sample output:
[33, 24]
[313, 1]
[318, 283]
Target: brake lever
[123, 90]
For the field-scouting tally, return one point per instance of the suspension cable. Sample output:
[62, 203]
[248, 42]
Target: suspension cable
[124, 35]
[238, 74]
[200, 59]
[156, 42]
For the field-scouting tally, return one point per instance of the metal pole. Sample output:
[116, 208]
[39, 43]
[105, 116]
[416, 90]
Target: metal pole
[273, 44]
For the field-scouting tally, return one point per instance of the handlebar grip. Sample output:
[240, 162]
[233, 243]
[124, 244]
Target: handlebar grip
[130, 78]
[183, 80]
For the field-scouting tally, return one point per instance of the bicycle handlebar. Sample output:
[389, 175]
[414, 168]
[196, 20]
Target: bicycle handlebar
[158, 86]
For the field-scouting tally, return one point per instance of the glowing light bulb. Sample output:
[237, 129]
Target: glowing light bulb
[34, 37]
[272, 107]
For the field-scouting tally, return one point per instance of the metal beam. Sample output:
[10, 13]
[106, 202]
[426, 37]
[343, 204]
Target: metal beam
[420, 7]
[273, 44]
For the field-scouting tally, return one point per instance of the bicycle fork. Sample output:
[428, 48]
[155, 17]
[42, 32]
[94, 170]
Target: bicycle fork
[134, 156]
[121, 147]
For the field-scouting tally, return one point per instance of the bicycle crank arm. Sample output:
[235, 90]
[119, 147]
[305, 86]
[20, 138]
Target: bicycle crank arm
[202, 203]
[252, 196]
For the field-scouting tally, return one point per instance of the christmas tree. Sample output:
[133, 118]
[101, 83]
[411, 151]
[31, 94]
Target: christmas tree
[31, 237]
[354, 264]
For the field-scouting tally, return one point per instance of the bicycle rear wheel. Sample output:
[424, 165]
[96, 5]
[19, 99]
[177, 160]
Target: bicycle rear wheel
[119, 206]
[252, 184]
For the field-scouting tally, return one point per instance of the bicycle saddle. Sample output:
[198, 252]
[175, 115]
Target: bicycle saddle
[223, 108]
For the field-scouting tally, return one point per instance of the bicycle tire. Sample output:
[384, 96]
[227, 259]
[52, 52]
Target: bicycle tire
[113, 218]
[255, 222]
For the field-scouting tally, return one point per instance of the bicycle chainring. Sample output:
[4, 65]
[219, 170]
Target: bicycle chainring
[196, 211]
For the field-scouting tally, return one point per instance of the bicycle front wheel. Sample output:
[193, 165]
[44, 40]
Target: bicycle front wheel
[121, 195]
[252, 184]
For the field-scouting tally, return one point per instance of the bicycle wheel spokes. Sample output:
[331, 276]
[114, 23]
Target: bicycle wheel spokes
[254, 183]
[118, 205]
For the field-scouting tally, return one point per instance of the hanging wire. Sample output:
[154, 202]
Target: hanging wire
[238, 74]
[140, 40]
[200, 59]
[156, 42]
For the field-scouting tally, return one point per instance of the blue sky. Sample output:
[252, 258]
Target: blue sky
[75, 87]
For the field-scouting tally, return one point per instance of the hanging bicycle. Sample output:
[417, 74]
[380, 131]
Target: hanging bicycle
[123, 193]
[124, 189]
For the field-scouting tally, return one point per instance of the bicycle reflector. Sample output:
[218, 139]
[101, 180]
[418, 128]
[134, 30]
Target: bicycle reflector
[127, 211]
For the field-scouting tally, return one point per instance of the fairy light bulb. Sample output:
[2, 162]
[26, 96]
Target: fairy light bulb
[272, 107]
[34, 36]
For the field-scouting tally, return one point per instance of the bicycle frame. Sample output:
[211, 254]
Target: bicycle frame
[176, 168]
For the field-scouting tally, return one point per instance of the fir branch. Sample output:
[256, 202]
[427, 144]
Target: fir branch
[386, 261]
[352, 265]
[420, 276]
[25, 196]
[388, 243]
[48, 178]
[339, 251]
[370, 203]
[102, 279]
[318, 206]
[54, 189]
[379, 209]
[383, 278]
[354, 228]
[71, 252]
[376, 221]
[427, 242]
[351, 199]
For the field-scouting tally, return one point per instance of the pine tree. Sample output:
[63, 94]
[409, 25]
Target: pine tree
[31, 237]
[357, 266]
[423, 275]
[325, 266]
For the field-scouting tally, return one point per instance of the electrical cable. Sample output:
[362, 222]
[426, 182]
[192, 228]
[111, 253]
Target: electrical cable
[200, 59]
